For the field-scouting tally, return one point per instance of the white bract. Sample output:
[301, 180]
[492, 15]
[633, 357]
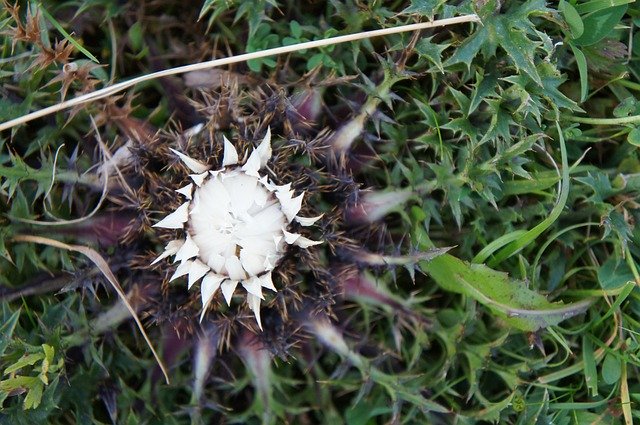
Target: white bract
[235, 221]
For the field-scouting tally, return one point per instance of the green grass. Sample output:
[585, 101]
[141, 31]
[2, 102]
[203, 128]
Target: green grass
[513, 141]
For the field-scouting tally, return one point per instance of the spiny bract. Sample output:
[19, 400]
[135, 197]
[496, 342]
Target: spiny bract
[235, 221]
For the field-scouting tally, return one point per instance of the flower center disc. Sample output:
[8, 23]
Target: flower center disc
[237, 223]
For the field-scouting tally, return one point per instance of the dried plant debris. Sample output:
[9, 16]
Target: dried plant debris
[433, 227]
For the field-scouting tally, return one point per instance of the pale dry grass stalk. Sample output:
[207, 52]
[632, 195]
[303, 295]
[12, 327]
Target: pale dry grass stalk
[116, 88]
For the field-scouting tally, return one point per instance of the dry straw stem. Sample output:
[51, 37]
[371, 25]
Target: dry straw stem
[106, 271]
[116, 88]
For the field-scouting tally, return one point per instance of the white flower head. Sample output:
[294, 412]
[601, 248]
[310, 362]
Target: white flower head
[236, 225]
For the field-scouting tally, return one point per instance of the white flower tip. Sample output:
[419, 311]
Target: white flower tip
[230, 156]
[290, 206]
[186, 191]
[259, 157]
[181, 270]
[305, 243]
[198, 179]
[176, 219]
[267, 282]
[193, 130]
[208, 288]
[299, 240]
[188, 250]
[308, 221]
[254, 305]
[227, 288]
[196, 271]
[171, 248]
[264, 150]
[254, 287]
[252, 165]
[192, 164]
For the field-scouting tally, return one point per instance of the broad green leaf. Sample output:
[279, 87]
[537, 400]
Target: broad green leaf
[614, 273]
[600, 24]
[581, 62]
[136, 36]
[611, 369]
[596, 5]
[626, 107]
[18, 382]
[28, 360]
[507, 298]
[572, 17]
[295, 29]
[634, 137]
[34, 396]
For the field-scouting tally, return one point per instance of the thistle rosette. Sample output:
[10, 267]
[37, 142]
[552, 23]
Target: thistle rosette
[236, 223]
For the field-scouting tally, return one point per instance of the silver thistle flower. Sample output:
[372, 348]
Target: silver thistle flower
[236, 225]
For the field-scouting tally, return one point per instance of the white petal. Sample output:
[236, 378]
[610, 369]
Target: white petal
[253, 286]
[269, 262]
[260, 197]
[240, 189]
[193, 130]
[188, 250]
[267, 282]
[230, 156]
[227, 287]
[284, 188]
[303, 242]
[267, 184]
[234, 268]
[252, 165]
[264, 149]
[260, 156]
[290, 206]
[299, 240]
[308, 221]
[251, 261]
[254, 305]
[216, 262]
[171, 248]
[182, 270]
[290, 238]
[208, 288]
[176, 218]
[186, 191]
[195, 166]
[269, 220]
[198, 269]
[198, 179]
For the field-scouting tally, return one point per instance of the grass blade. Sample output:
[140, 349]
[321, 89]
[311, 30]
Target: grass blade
[66, 35]
[517, 245]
